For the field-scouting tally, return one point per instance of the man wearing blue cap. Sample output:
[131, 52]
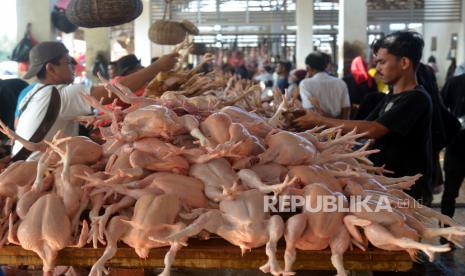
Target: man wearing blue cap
[54, 98]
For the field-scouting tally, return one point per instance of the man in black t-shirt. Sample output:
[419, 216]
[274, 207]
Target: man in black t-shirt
[401, 123]
[406, 149]
[9, 92]
[453, 94]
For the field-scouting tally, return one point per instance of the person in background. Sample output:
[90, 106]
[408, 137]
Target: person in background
[401, 123]
[242, 72]
[228, 69]
[453, 94]
[359, 83]
[112, 69]
[267, 91]
[128, 65]
[296, 76]
[460, 69]
[283, 68]
[9, 92]
[380, 85]
[54, 68]
[440, 126]
[451, 68]
[432, 63]
[265, 75]
[26, 90]
[329, 64]
[323, 92]
[207, 63]
[100, 66]
[237, 61]
[371, 100]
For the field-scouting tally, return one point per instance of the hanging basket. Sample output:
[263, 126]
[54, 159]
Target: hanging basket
[167, 32]
[190, 27]
[198, 49]
[103, 13]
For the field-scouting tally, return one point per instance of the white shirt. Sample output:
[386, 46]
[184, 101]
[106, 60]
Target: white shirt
[72, 106]
[264, 77]
[331, 92]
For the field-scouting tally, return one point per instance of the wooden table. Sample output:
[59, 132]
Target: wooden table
[215, 253]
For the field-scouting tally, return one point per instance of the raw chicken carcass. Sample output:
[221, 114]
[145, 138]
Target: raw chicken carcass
[216, 129]
[288, 148]
[189, 189]
[158, 121]
[270, 172]
[409, 221]
[202, 105]
[228, 138]
[69, 187]
[382, 238]
[13, 177]
[221, 182]
[86, 151]
[156, 155]
[316, 174]
[218, 176]
[46, 229]
[253, 122]
[312, 230]
[243, 222]
[154, 219]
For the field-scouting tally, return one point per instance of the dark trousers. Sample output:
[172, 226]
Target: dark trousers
[421, 194]
[454, 168]
[437, 171]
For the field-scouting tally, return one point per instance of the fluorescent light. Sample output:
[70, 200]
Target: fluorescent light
[397, 26]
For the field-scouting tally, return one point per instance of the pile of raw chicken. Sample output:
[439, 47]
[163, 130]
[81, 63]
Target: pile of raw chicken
[196, 156]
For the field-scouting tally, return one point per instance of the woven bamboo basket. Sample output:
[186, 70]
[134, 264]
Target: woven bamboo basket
[103, 13]
[166, 32]
[190, 27]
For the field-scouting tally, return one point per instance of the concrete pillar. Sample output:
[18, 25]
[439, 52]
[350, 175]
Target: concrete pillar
[352, 26]
[142, 47]
[276, 29]
[37, 12]
[97, 40]
[461, 42]
[304, 37]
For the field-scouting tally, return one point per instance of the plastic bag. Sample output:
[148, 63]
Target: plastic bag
[21, 51]
[61, 22]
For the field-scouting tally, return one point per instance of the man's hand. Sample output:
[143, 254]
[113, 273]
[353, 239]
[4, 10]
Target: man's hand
[309, 120]
[167, 62]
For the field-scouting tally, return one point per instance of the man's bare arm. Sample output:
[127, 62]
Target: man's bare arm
[374, 130]
[138, 79]
[345, 113]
